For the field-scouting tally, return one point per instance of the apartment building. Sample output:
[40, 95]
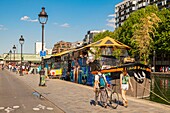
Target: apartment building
[125, 8]
[77, 44]
[61, 46]
[90, 35]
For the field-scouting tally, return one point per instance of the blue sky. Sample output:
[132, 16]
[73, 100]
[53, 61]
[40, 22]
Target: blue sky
[69, 20]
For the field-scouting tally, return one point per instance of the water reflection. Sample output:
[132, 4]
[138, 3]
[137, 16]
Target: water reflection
[164, 84]
[161, 86]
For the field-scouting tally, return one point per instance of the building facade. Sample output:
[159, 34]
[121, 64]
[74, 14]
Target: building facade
[61, 46]
[90, 35]
[48, 51]
[77, 44]
[125, 8]
[38, 47]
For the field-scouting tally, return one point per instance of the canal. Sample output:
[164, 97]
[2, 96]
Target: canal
[160, 84]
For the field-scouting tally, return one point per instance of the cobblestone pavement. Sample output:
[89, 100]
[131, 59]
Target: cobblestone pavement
[76, 98]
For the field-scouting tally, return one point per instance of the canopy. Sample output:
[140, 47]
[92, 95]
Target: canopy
[62, 53]
[110, 42]
[89, 45]
[106, 42]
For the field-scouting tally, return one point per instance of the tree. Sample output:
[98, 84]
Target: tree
[158, 34]
[117, 53]
[103, 35]
[142, 35]
[162, 36]
[126, 31]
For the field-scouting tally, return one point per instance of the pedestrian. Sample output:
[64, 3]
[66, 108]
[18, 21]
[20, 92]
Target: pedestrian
[99, 86]
[75, 66]
[124, 85]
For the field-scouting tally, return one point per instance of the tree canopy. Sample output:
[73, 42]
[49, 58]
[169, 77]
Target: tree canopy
[148, 25]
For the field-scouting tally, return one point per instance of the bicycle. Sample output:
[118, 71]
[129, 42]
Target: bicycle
[105, 99]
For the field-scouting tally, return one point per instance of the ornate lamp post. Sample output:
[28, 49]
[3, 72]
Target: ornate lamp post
[21, 41]
[42, 17]
[14, 49]
[10, 52]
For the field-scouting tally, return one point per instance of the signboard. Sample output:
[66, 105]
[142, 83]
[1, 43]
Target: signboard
[42, 53]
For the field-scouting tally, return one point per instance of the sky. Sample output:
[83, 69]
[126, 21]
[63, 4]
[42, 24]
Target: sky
[68, 20]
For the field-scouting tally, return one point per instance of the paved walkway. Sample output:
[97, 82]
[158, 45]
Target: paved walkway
[76, 98]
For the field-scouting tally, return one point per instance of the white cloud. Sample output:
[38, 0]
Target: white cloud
[5, 29]
[111, 25]
[65, 25]
[2, 28]
[55, 23]
[111, 15]
[111, 20]
[27, 18]
[36, 20]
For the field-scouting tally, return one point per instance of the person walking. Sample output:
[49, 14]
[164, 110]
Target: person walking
[99, 86]
[76, 67]
[124, 85]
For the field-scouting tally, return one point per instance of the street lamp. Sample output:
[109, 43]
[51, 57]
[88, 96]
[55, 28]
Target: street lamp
[154, 62]
[42, 17]
[21, 41]
[10, 52]
[14, 49]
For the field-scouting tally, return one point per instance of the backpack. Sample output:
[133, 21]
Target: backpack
[102, 82]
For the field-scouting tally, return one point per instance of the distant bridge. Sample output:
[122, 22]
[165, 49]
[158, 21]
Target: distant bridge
[35, 58]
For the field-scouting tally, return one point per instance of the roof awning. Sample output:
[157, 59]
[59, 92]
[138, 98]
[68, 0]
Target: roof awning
[110, 42]
[106, 42]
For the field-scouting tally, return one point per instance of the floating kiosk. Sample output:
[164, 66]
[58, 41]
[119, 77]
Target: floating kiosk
[100, 54]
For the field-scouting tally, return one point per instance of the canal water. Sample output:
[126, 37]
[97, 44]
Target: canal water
[160, 84]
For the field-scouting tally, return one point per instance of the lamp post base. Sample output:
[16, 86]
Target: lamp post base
[21, 73]
[42, 78]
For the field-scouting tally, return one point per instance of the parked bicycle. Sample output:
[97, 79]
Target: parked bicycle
[108, 99]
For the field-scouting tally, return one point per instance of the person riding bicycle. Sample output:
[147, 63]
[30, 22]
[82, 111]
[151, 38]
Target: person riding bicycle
[124, 85]
[99, 85]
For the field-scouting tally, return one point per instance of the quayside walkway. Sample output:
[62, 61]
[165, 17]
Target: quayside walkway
[76, 98]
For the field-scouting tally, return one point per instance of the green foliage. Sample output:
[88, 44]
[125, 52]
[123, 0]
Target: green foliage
[103, 35]
[117, 53]
[162, 37]
[155, 35]
[141, 36]
[96, 52]
[128, 28]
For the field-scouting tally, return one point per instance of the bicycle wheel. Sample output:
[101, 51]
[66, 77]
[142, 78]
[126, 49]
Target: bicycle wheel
[103, 97]
[114, 100]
